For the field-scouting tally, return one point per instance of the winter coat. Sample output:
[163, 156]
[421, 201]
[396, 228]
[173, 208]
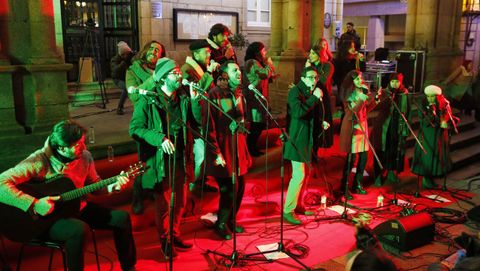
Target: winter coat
[139, 76]
[389, 131]
[148, 127]
[354, 128]
[220, 136]
[258, 76]
[436, 141]
[301, 116]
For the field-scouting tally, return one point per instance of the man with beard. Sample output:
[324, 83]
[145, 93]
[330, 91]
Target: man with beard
[199, 69]
[65, 154]
[139, 75]
[159, 126]
[220, 47]
[230, 155]
[350, 36]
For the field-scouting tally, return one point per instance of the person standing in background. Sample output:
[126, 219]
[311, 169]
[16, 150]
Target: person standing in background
[221, 50]
[350, 36]
[119, 65]
[320, 59]
[140, 76]
[199, 69]
[258, 71]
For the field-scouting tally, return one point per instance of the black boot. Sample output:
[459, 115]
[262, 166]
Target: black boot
[223, 231]
[344, 191]
[358, 184]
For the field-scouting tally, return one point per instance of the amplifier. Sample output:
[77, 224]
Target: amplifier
[406, 233]
[412, 65]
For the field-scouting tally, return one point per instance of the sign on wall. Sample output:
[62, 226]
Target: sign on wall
[190, 24]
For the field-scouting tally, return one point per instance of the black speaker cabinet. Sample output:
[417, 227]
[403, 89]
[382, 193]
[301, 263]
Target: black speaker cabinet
[412, 65]
[406, 233]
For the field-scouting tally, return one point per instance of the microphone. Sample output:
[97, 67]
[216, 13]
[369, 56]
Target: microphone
[256, 91]
[135, 90]
[194, 85]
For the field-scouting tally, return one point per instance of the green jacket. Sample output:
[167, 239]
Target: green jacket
[300, 114]
[139, 76]
[148, 127]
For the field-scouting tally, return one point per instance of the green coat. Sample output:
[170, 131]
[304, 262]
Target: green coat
[436, 142]
[147, 127]
[139, 76]
[300, 115]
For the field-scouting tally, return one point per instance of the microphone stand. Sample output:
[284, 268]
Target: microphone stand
[171, 181]
[444, 187]
[395, 105]
[234, 256]
[172, 170]
[284, 137]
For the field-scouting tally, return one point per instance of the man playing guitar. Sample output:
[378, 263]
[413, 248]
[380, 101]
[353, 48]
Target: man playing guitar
[65, 154]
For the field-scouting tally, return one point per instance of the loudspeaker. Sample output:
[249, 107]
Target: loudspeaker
[406, 233]
[412, 65]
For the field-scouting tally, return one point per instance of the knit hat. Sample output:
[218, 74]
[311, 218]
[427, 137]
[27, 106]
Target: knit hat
[122, 48]
[433, 90]
[198, 44]
[164, 66]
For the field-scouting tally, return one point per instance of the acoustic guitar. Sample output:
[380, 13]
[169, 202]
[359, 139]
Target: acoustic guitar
[21, 226]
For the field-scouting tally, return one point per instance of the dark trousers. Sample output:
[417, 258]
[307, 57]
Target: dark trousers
[162, 195]
[360, 165]
[225, 205]
[256, 129]
[73, 232]
[124, 95]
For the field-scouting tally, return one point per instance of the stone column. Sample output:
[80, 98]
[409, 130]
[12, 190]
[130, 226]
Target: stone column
[376, 33]
[276, 27]
[295, 15]
[294, 18]
[318, 14]
[34, 84]
[431, 26]
[411, 24]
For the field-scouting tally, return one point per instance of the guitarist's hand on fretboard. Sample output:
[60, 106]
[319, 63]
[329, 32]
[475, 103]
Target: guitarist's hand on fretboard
[45, 205]
[121, 181]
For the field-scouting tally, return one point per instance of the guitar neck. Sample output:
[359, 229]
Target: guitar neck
[80, 192]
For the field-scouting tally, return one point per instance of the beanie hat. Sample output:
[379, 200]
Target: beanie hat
[164, 66]
[198, 44]
[122, 48]
[433, 90]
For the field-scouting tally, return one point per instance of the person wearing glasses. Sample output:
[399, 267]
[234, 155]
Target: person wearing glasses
[159, 126]
[63, 163]
[303, 98]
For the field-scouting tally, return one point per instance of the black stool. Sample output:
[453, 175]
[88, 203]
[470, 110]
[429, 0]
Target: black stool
[54, 245]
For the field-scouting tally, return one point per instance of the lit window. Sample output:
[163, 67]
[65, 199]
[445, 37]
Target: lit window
[258, 13]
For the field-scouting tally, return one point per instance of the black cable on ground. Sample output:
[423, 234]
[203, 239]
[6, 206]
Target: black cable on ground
[447, 215]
